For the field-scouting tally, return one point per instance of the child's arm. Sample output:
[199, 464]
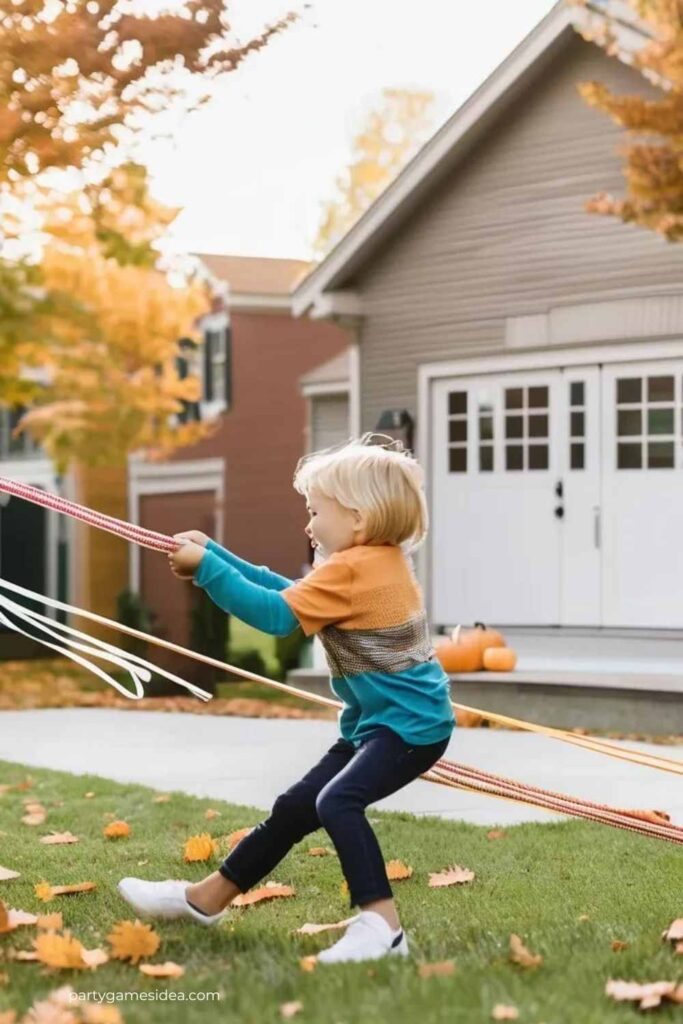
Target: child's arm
[258, 606]
[259, 574]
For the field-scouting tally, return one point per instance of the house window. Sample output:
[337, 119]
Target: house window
[19, 447]
[457, 432]
[217, 365]
[645, 412]
[527, 428]
[577, 424]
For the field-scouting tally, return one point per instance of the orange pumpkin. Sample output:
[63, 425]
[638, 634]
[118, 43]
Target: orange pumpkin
[465, 650]
[499, 659]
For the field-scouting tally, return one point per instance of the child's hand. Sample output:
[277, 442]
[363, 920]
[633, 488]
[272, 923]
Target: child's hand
[185, 560]
[196, 536]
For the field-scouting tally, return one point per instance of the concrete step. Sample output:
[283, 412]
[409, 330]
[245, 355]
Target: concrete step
[648, 702]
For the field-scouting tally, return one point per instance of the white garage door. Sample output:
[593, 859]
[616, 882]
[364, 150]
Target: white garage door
[557, 497]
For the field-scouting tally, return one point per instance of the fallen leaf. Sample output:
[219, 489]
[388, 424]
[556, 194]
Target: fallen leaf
[94, 958]
[308, 963]
[236, 837]
[647, 995]
[288, 1010]
[269, 891]
[210, 814]
[319, 851]
[502, 1012]
[314, 929]
[583, 917]
[454, 875]
[45, 891]
[96, 1013]
[22, 954]
[397, 870]
[519, 954]
[166, 970]
[618, 945]
[8, 1017]
[442, 968]
[116, 830]
[60, 951]
[51, 922]
[496, 833]
[674, 933]
[88, 796]
[6, 874]
[132, 940]
[58, 839]
[161, 798]
[11, 919]
[35, 814]
[201, 847]
[4, 978]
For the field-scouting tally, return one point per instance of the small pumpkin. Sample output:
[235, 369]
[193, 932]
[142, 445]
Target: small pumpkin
[465, 650]
[499, 659]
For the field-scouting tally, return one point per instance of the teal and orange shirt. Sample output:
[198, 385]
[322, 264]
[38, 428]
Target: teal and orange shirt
[366, 606]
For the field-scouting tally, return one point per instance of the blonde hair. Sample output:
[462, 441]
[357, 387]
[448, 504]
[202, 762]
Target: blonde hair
[382, 480]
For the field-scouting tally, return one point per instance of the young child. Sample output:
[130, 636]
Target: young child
[367, 509]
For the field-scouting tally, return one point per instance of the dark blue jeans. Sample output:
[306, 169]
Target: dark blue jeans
[333, 795]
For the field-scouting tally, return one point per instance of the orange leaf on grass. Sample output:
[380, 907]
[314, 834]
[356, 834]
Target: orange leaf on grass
[269, 891]
[44, 891]
[66, 952]
[288, 1010]
[211, 813]
[161, 798]
[132, 940]
[35, 814]
[59, 839]
[165, 970]
[319, 851]
[314, 929]
[201, 847]
[648, 995]
[496, 833]
[116, 830]
[8, 1017]
[11, 919]
[502, 1012]
[236, 837]
[454, 875]
[397, 871]
[442, 968]
[618, 945]
[519, 954]
[308, 963]
[674, 933]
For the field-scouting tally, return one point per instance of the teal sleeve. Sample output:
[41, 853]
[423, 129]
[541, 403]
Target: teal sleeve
[254, 573]
[258, 606]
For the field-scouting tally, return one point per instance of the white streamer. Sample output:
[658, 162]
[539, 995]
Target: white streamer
[139, 669]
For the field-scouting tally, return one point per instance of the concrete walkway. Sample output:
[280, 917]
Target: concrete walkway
[249, 761]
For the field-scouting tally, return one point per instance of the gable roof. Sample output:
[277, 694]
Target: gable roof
[444, 150]
[255, 275]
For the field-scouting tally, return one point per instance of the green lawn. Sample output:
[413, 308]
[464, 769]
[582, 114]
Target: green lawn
[536, 881]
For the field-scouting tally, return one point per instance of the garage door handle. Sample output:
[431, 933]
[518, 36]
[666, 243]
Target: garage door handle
[597, 526]
[559, 512]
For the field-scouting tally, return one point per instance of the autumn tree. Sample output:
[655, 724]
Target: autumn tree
[649, 35]
[81, 81]
[391, 135]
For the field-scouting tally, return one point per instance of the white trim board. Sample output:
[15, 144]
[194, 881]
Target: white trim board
[330, 387]
[171, 478]
[507, 362]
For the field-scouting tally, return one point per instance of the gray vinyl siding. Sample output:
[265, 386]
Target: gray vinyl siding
[507, 235]
[329, 420]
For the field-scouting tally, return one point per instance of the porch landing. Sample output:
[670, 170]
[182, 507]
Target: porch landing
[629, 681]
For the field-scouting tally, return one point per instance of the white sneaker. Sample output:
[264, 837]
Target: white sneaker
[369, 937]
[162, 899]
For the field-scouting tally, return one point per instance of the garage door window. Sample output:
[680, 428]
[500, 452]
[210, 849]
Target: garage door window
[646, 430]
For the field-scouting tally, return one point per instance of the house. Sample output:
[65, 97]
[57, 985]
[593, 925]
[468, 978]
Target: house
[236, 485]
[537, 349]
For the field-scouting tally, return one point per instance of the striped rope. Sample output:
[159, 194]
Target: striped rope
[654, 824]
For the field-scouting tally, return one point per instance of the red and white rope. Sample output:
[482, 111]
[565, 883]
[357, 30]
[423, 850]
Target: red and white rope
[444, 772]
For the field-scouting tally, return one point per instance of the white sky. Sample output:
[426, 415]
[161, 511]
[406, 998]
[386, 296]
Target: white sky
[252, 168]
